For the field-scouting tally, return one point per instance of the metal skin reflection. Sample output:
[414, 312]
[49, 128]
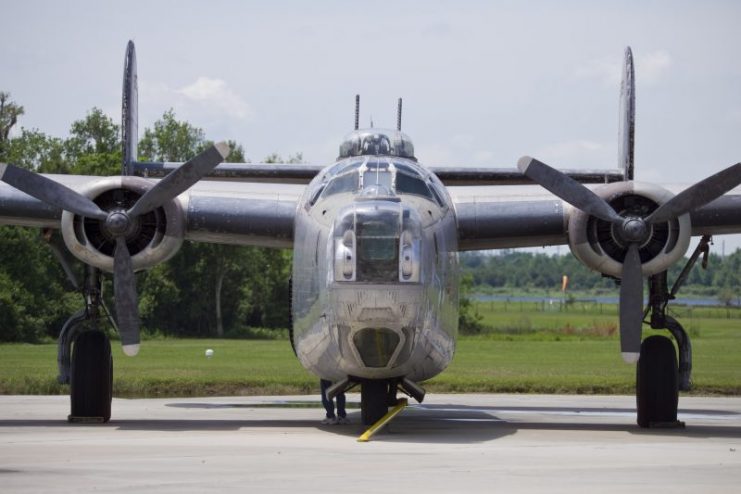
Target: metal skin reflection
[375, 286]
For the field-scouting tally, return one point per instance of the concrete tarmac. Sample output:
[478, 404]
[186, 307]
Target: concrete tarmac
[451, 443]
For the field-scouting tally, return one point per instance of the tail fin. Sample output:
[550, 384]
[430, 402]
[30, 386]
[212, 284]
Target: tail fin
[129, 111]
[627, 122]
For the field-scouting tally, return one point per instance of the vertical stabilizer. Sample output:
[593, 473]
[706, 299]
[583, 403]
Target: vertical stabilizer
[129, 110]
[627, 122]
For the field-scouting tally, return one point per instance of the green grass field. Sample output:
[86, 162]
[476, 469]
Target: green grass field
[528, 348]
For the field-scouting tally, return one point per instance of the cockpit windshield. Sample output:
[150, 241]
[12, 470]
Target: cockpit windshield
[377, 178]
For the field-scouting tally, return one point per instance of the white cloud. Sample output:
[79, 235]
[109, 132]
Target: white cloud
[216, 94]
[653, 66]
[649, 68]
[203, 99]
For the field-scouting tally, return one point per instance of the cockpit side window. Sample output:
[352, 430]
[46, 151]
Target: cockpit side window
[438, 195]
[406, 184]
[409, 170]
[347, 182]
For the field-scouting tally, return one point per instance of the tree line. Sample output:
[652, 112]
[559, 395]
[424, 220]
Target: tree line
[527, 270]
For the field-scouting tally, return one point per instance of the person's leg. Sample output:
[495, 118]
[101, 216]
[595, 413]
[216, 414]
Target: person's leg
[328, 405]
[341, 405]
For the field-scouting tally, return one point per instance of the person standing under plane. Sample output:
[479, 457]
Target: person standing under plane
[331, 418]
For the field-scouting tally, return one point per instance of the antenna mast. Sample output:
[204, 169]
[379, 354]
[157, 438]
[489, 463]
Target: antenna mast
[398, 116]
[357, 111]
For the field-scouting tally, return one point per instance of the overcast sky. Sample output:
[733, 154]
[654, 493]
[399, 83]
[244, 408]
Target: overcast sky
[483, 82]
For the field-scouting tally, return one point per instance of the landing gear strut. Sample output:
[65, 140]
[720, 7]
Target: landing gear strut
[84, 350]
[377, 395]
[658, 377]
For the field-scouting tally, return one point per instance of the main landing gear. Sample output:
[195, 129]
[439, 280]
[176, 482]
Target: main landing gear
[84, 354]
[659, 377]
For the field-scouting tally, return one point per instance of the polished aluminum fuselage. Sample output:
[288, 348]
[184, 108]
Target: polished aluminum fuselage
[375, 272]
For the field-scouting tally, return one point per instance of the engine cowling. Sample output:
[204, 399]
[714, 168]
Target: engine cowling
[153, 237]
[600, 246]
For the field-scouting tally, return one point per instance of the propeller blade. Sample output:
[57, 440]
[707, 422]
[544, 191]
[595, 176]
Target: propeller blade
[124, 291]
[631, 305]
[51, 192]
[698, 195]
[567, 189]
[181, 179]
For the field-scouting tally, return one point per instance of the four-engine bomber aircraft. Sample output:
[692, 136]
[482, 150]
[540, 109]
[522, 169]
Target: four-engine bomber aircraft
[375, 239]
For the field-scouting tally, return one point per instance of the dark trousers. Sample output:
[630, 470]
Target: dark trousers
[328, 405]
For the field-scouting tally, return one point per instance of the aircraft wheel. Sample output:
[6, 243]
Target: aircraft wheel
[373, 401]
[91, 377]
[657, 382]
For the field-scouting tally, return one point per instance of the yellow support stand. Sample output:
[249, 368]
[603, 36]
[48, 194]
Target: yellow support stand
[400, 404]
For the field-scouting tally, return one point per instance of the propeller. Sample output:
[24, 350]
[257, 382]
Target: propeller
[634, 231]
[118, 222]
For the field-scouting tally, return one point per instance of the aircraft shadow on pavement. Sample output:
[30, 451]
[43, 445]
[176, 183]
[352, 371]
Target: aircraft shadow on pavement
[453, 424]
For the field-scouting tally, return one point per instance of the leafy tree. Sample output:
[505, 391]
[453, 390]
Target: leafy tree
[33, 300]
[94, 145]
[34, 150]
[9, 113]
[171, 140]
[242, 281]
[469, 320]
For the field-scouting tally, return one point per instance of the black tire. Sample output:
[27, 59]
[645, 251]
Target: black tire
[373, 401]
[657, 382]
[91, 376]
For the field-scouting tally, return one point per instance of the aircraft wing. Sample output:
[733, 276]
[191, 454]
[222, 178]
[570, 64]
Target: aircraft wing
[494, 217]
[244, 213]
[303, 173]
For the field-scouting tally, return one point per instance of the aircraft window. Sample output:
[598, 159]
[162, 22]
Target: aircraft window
[378, 251]
[407, 169]
[343, 183]
[316, 194]
[438, 198]
[377, 176]
[343, 167]
[412, 185]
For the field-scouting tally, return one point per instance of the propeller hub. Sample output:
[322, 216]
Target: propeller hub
[635, 230]
[117, 223]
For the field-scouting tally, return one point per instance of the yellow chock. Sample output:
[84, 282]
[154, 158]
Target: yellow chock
[400, 404]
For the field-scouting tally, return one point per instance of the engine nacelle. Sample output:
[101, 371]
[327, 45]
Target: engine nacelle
[598, 243]
[153, 238]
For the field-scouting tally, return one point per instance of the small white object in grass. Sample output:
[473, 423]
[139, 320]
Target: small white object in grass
[209, 353]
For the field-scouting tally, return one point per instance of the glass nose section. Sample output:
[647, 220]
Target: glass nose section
[378, 246]
[377, 242]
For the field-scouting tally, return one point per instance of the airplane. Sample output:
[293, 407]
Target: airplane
[375, 238]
